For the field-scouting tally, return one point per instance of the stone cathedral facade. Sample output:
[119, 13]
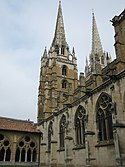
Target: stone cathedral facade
[83, 120]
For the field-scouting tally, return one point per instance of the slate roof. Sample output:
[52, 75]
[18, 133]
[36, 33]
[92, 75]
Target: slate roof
[18, 125]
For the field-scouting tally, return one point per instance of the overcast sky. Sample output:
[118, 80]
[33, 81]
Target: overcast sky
[27, 26]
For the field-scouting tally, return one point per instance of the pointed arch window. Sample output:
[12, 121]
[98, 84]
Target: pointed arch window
[64, 84]
[26, 150]
[5, 149]
[64, 70]
[50, 133]
[102, 59]
[104, 109]
[63, 50]
[80, 118]
[62, 131]
[57, 49]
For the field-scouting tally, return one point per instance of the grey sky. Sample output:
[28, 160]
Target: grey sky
[27, 26]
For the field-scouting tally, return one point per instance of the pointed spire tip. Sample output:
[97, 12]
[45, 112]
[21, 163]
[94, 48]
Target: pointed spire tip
[59, 2]
[73, 50]
[92, 12]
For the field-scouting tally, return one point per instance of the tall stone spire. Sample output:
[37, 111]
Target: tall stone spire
[58, 74]
[59, 37]
[98, 58]
[96, 42]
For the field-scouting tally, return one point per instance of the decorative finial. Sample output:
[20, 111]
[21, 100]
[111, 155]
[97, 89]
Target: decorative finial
[92, 11]
[45, 53]
[73, 50]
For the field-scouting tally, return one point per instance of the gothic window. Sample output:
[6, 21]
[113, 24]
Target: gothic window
[29, 155]
[26, 150]
[5, 151]
[80, 117]
[34, 155]
[64, 70]
[97, 57]
[62, 131]
[62, 50]
[104, 109]
[57, 49]
[102, 59]
[50, 133]
[64, 84]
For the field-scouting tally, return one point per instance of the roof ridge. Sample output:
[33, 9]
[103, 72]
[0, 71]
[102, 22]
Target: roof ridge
[14, 119]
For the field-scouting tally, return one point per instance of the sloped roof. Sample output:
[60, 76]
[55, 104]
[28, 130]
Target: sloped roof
[18, 125]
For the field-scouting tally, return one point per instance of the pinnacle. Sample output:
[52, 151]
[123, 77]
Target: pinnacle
[45, 53]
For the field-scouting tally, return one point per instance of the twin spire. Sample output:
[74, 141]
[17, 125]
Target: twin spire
[59, 44]
[60, 39]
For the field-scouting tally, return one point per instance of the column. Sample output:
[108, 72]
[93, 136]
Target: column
[43, 154]
[53, 152]
[68, 150]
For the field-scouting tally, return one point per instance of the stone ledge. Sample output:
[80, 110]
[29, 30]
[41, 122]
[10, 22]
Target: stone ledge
[89, 133]
[60, 150]
[79, 147]
[119, 125]
[104, 144]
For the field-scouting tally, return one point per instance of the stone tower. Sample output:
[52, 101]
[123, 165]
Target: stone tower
[98, 58]
[58, 75]
[119, 26]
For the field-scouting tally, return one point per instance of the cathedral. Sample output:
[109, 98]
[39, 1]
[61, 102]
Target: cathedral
[81, 117]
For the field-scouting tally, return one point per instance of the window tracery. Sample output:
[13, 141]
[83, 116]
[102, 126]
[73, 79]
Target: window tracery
[62, 131]
[26, 150]
[104, 117]
[64, 70]
[64, 84]
[80, 118]
[62, 50]
[50, 133]
[57, 49]
[5, 150]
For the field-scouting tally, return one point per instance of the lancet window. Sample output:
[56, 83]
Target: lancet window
[62, 50]
[102, 59]
[80, 118]
[5, 148]
[104, 109]
[26, 150]
[64, 70]
[64, 84]
[50, 133]
[62, 131]
[57, 49]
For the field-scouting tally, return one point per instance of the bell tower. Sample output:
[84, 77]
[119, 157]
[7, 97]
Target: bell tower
[58, 74]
